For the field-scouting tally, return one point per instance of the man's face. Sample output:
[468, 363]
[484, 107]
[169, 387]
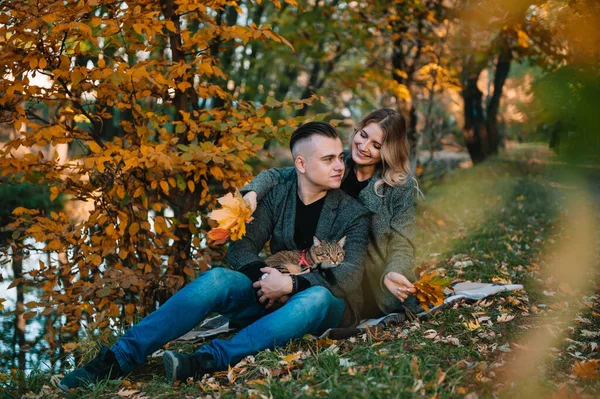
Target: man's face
[323, 162]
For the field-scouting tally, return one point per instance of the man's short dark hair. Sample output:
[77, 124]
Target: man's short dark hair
[310, 129]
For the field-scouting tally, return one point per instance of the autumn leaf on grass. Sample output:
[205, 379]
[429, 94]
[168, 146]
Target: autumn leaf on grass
[231, 219]
[430, 289]
[127, 393]
[234, 372]
[69, 347]
[504, 318]
[587, 369]
[290, 358]
[472, 325]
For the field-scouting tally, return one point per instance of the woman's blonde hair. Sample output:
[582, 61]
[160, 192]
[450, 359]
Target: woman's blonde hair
[395, 151]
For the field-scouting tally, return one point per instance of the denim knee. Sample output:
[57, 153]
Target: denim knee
[316, 297]
[216, 278]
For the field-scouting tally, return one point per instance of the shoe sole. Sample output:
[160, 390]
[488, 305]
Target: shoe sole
[171, 363]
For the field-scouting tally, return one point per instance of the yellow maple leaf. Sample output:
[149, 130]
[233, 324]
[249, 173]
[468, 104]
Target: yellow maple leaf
[472, 325]
[430, 289]
[232, 218]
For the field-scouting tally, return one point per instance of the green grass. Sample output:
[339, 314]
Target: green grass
[503, 217]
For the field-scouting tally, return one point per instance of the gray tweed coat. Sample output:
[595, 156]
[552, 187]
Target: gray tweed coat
[342, 215]
[391, 232]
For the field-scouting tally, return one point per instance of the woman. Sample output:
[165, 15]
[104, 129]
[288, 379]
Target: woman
[378, 175]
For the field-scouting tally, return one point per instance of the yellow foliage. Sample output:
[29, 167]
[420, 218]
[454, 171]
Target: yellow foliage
[523, 39]
[155, 167]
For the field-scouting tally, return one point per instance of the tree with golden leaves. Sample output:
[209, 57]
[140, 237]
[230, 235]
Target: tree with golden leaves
[137, 92]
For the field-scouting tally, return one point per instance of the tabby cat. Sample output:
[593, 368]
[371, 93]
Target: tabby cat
[327, 254]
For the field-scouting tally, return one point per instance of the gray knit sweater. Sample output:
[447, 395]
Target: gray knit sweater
[342, 215]
[391, 231]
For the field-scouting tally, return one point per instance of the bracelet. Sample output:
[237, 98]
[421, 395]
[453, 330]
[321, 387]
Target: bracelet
[294, 284]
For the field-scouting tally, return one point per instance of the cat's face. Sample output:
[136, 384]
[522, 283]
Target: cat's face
[328, 252]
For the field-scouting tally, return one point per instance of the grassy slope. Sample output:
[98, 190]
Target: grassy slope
[503, 217]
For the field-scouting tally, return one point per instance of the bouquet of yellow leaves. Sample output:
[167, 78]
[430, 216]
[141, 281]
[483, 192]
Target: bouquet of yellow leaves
[231, 219]
[430, 289]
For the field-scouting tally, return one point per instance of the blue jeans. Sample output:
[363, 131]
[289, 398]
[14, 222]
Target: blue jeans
[229, 293]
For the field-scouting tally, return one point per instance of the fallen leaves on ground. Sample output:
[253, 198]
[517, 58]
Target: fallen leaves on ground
[127, 393]
[240, 368]
[587, 369]
[503, 318]
[472, 325]
[231, 219]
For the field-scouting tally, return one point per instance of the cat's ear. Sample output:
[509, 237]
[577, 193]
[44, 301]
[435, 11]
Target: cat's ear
[316, 242]
[341, 242]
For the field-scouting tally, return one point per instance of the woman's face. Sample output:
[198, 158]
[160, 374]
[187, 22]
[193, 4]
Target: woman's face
[366, 146]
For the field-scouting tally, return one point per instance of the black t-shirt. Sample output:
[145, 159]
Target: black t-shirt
[307, 217]
[351, 185]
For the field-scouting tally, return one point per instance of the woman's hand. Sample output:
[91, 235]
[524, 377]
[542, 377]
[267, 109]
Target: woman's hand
[272, 287]
[250, 199]
[398, 285]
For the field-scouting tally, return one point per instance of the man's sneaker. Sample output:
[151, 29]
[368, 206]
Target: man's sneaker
[102, 366]
[179, 366]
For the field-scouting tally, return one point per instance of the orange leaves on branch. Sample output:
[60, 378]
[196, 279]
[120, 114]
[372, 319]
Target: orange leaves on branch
[587, 369]
[430, 289]
[231, 219]
[132, 171]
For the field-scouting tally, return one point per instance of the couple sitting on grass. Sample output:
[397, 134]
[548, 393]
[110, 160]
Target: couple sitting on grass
[365, 196]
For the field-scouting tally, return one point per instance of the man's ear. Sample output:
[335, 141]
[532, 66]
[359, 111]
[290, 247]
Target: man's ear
[300, 164]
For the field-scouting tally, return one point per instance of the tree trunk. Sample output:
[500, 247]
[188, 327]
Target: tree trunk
[182, 101]
[400, 63]
[413, 138]
[312, 85]
[500, 75]
[20, 322]
[474, 132]
[230, 20]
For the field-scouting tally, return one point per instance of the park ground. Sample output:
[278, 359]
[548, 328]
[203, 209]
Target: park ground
[524, 217]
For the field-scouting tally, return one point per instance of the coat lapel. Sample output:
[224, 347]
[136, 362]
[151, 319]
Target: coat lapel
[328, 215]
[289, 216]
[368, 198]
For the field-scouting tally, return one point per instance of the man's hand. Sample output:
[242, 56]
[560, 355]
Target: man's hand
[272, 287]
[398, 285]
[250, 199]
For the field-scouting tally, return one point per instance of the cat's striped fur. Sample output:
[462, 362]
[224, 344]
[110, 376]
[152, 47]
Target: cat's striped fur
[322, 254]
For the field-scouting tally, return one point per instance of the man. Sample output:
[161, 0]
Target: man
[289, 216]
